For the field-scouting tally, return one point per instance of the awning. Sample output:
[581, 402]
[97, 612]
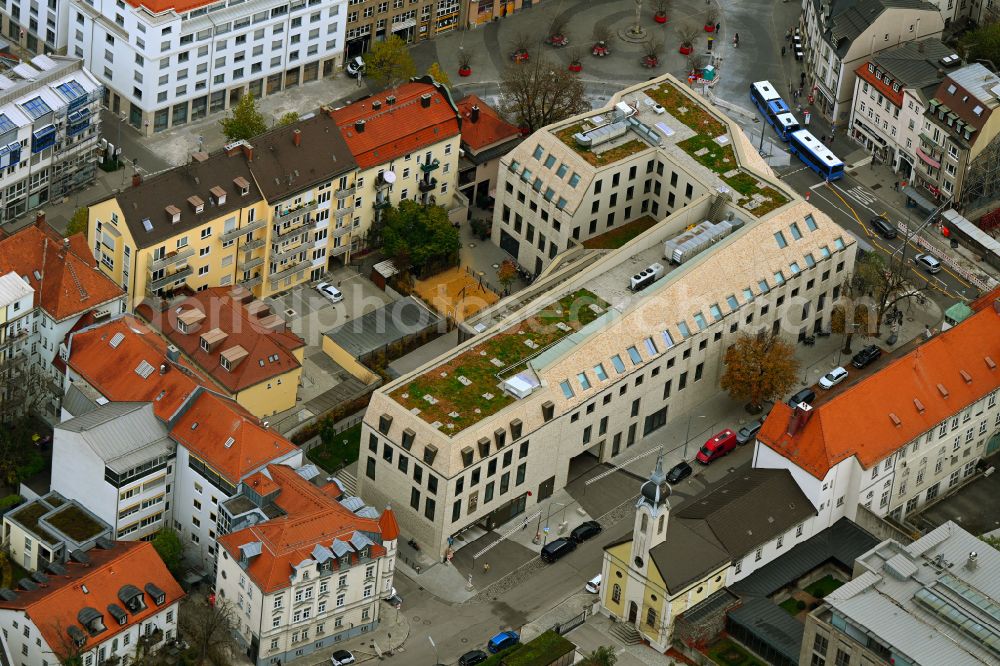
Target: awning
[928, 159]
[918, 199]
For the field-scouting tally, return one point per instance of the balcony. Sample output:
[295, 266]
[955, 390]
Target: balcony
[344, 193]
[338, 250]
[255, 244]
[299, 267]
[168, 280]
[240, 231]
[341, 212]
[281, 236]
[298, 210]
[252, 282]
[173, 258]
[430, 166]
[247, 264]
[342, 231]
[427, 185]
[289, 253]
[381, 204]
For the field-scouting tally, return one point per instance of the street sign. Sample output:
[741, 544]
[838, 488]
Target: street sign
[545, 529]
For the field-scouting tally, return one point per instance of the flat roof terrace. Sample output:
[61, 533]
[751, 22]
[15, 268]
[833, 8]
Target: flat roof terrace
[466, 388]
[664, 115]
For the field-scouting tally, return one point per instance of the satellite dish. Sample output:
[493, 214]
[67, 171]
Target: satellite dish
[389, 177]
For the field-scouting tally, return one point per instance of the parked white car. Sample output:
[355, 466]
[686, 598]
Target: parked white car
[355, 66]
[593, 585]
[330, 292]
[832, 378]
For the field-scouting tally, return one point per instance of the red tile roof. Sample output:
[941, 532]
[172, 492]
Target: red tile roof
[875, 417]
[70, 282]
[54, 608]
[894, 96]
[269, 352]
[397, 129]
[179, 6]
[113, 369]
[488, 130]
[227, 438]
[313, 519]
[390, 528]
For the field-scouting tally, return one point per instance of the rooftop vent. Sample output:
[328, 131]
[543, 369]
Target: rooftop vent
[895, 420]
[990, 363]
[376, 105]
[942, 390]
[359, 126]
[425, 100]
[390, 100]
[919, 405]
[966, 377]
[474, 113]
[297, 137]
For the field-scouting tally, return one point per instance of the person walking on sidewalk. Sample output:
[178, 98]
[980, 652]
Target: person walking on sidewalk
[486, 567]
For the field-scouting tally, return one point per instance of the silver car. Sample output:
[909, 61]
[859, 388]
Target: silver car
[355, 66]
[928, 262]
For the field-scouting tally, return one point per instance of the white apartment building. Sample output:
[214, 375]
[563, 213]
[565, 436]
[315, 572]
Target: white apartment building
[891, 92]
[49, 128]
[117, 460]
[839, 35]
[166, 63]
[308, 578]
[101, 606]
[935, 418]
[37, 27]
[609, 365]
[16, 310]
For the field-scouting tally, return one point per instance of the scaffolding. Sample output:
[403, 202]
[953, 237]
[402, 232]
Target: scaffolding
[982, 184]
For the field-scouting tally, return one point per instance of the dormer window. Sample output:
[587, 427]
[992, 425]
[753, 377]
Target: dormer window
[92, 620]
[131, 597]
[225, 364]
[196, 204]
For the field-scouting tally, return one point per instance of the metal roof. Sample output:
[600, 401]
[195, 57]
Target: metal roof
[978, 81]
[915, 64]
[937, 611]
[122, 434]
[772, 625]
[13, 288]
[850, 18]
[383, 326]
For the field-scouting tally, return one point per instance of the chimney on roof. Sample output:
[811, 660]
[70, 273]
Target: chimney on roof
[376, 105]
[474, 113]
[136, 179]
[247, 151]
[64, 248]
[801, 414]
[40, 219]
[359, 126]
[297, 137]
[199, 156]
[164, 368]
[390, 100]
[425, 100]
[173, 353]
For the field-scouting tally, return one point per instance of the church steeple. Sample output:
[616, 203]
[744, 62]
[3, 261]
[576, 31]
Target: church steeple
[651, 513]
[656, 490]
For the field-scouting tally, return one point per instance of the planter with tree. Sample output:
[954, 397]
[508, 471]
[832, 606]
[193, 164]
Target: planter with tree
[464, 63]
[520, 50]
[557, 33]
[651, 53]
[602, 41]
[710, 20]
[576, 59]
[661, 11]
[687, 34]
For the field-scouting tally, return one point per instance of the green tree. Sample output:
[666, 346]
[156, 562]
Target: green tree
[983, 43]
[506, 273]
[759, 368]
[171, 550]
[244, 121]
[78, 223]
[288, 118]
[993, 541]
[438, 74]
[419, 237]
[602, 656]
[390, 63]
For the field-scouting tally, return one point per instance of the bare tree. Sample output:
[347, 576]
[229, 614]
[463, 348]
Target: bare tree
[687, 33]
[652, 48]
[558, 26]
[210, 630]
[603, 33]
[66, 651]
[662, 7]
[576, 55]
[23, 387]
[711, 16]
[520, 42]
[538, 93]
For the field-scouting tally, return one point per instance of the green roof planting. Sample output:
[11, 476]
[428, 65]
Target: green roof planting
[466, 388]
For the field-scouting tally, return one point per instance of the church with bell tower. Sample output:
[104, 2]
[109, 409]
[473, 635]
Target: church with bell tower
[681, 551]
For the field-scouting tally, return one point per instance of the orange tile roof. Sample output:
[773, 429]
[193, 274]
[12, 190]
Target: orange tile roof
[54, 608]
[208, 425]
[112, 370]
[313, 519]
[397, 129]
[179, 6]
[390, 528]
[69, 283]
[269, 352]
[490, 129]
[861, 421]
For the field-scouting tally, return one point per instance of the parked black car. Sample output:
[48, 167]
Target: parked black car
[679, 472]
[866, 356]
[585, 530]
[472, 657]
[555, 550]
[806, 395]
[884, 227]
[748, 433]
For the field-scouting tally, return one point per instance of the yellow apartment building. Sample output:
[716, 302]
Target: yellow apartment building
[252, 215]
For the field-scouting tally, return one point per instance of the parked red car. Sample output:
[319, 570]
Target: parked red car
[717, 446]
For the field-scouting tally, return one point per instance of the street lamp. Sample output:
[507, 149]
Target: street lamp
[545, 533]
[437, 660]
[687, 436]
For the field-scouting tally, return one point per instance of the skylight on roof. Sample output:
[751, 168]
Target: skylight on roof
[71, 90]
[5, 124]
[116, 340]
[36, 108]
[144, 369]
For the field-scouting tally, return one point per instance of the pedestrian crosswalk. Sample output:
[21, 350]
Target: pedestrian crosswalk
[861, 194]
